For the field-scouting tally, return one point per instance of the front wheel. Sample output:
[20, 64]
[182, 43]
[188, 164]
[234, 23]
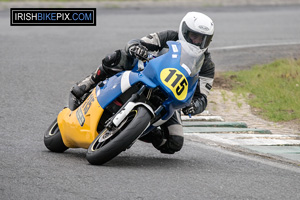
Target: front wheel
[109, 143]
[53, 140]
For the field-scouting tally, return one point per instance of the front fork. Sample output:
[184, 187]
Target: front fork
[115, 120]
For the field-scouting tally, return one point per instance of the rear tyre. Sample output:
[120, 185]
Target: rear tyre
[109, 143]
[53, 140]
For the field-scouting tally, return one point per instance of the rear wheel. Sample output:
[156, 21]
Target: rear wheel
[109, 143]
[53, 140]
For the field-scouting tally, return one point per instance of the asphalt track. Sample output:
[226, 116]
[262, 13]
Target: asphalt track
[39, 65]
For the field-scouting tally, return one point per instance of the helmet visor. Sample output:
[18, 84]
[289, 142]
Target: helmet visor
[195, 38]
[206, 41]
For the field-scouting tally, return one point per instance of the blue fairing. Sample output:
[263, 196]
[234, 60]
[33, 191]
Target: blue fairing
[118, 84]
[151, 76]
[170, 60]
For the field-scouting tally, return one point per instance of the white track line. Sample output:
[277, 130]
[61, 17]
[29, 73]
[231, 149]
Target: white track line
[254, 46]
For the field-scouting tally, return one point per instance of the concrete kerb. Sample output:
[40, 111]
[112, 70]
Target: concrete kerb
[235, 136]
[215, 124]
[225, 130]
[245, 150]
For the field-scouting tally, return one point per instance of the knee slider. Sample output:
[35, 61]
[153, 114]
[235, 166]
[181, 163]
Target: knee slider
[173, 144]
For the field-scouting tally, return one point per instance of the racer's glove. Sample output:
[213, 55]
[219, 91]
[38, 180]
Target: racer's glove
[138, 51]
[189, 109]
[197, 106]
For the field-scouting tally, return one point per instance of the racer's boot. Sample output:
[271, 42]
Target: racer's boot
[156, 137]
[163, 142]
[84, 86]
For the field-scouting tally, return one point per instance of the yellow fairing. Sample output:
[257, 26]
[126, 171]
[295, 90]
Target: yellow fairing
[79, 127]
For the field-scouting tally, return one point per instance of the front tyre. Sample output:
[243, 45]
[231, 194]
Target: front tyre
[109, 143]
[53, 140]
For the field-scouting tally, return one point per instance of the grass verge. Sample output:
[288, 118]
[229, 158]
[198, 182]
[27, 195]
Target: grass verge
[273, 89]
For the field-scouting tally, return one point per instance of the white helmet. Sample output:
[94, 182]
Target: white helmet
[196, 28]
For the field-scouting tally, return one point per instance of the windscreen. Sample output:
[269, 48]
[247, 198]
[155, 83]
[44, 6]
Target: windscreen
[192, 57]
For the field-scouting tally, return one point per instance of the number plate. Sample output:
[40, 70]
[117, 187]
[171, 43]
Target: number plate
[175, 81]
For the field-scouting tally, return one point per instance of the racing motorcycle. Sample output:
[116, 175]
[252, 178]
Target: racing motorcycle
[128, 105]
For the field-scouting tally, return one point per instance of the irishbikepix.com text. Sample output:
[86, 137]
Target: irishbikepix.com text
[53, 16]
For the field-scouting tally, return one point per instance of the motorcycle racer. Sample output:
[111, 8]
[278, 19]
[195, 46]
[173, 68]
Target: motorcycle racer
[195, 28]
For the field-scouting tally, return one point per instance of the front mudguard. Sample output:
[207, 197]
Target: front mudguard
[127, 109]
